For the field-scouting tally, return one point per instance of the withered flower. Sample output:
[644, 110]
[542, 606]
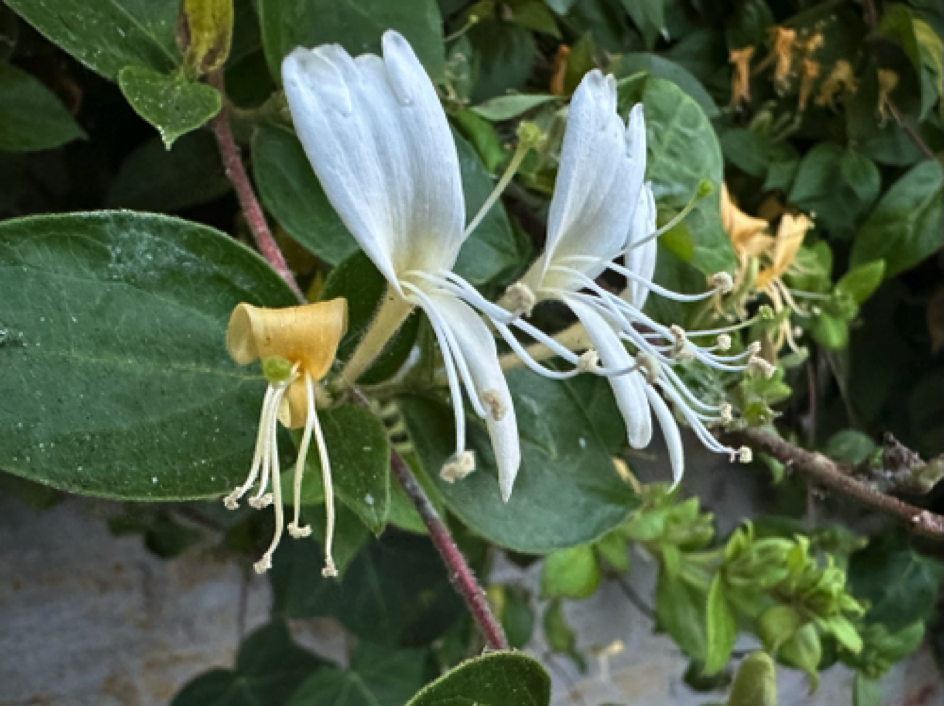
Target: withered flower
[741, 79]
[841, 82]
[887, 81]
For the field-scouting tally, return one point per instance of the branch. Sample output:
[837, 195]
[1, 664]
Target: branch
[236, 172]
[822, 470]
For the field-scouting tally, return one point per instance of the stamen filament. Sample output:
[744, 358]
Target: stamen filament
[521, 151]
[329, 570]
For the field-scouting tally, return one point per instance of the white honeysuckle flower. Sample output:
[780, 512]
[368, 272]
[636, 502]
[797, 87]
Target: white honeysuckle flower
[379, 142]
[601, 211]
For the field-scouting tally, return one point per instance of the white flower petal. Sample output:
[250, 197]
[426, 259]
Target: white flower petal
[629, 389]
[642, 258]
[601, 171]
[477, 346]
[378, 140]
[670, 430]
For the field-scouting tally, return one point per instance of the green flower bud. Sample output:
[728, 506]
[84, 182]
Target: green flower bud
[755, 683]
[276, 369]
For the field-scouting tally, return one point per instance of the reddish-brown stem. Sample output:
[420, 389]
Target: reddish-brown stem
[459, 572]
[826, 472]
[236, 172]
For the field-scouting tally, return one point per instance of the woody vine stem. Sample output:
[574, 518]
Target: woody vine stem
[461, 575]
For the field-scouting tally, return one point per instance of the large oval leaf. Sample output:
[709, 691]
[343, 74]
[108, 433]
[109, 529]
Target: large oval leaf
[495, 679]
[115, 380]
[567, 491]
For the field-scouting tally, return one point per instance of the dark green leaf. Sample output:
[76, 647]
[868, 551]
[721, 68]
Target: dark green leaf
[494, 679]
[516, 615]
[395, 592]
[268, 669]
[648, 16]
[493, 249]
[721, 628]
[900, 584]
[535, 16]
[560, 637]
[378, 676]
[31, 117]
[849, 446]
[906, 225]
[360, 465]
[683, 150]
[155, 179]
[115, 376]
[292, 193]
[682, 613]
[107, 35]
[170, 103]
[357, 280]
[570, 573]
[483, 137]
[503, 54]
[357, 26]
[658, 67]
[746, 150]
[350, 532]
[836, 186]
[860, 282]
[567, 491]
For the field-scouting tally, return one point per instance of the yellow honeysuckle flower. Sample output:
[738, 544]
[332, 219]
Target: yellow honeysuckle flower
[840, 82]
[790, 234]
[297, 346]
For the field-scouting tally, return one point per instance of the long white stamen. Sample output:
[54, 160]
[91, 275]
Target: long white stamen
[329, 570]
[529, 361]
[265, 563]
[630, 275]
[230, 501]
[520, 153]
[295, 529]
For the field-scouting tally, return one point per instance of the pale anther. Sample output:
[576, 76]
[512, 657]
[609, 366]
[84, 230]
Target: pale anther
[758, 365]
[458, 467]
[520, 298]
[745, 455]
[588, 361]
[723, 282]
[724, 342]
[649, 366]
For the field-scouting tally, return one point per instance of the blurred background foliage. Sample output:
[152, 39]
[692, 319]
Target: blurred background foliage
[820, 125]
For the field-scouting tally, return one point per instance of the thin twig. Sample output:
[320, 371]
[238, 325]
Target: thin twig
[910, 130]
[635, 598]
[236, 172]
[822, 470]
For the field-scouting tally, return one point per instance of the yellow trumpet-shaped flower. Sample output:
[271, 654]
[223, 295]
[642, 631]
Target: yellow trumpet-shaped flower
[790, 234]
[748, 234]
[297, 346]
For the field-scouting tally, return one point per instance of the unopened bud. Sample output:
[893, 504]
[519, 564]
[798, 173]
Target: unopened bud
[529, 134]
[705, 188]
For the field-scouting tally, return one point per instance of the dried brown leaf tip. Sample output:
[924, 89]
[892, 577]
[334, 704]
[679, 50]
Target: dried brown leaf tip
[297, 346]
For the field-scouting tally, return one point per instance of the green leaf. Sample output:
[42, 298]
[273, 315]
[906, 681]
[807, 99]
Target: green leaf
[508, 107]
[170, 103]
[360, 465]
[269, 668]
[31, 117]
[503, 55]
[357, 26]
[849, 446]
[659, 67]
[683, 150]
[516, 615]
[900, 584]
[905, 227]
[483, 137]
[722, 627]
[292, 193]
[350, 532]
[682, 613]
[112, 360]
[570, 573]
[613, 550]
[804, 651]
[357, 280]
[494, 679]
[378, 676]
[746, 150]
[861, 281]
[395, 592]
[107, 35]
[836, 186]
[778, 624]
[154, 179]
[560, 637]
[534, 15]
[830, 331]
[493, 250]
[567, 492]
[648, 16]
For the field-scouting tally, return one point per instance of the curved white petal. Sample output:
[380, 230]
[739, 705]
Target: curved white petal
[601, 171]
[641, 259]
[377, 137]
[629, 389]
[477, 346]
[670, 430]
